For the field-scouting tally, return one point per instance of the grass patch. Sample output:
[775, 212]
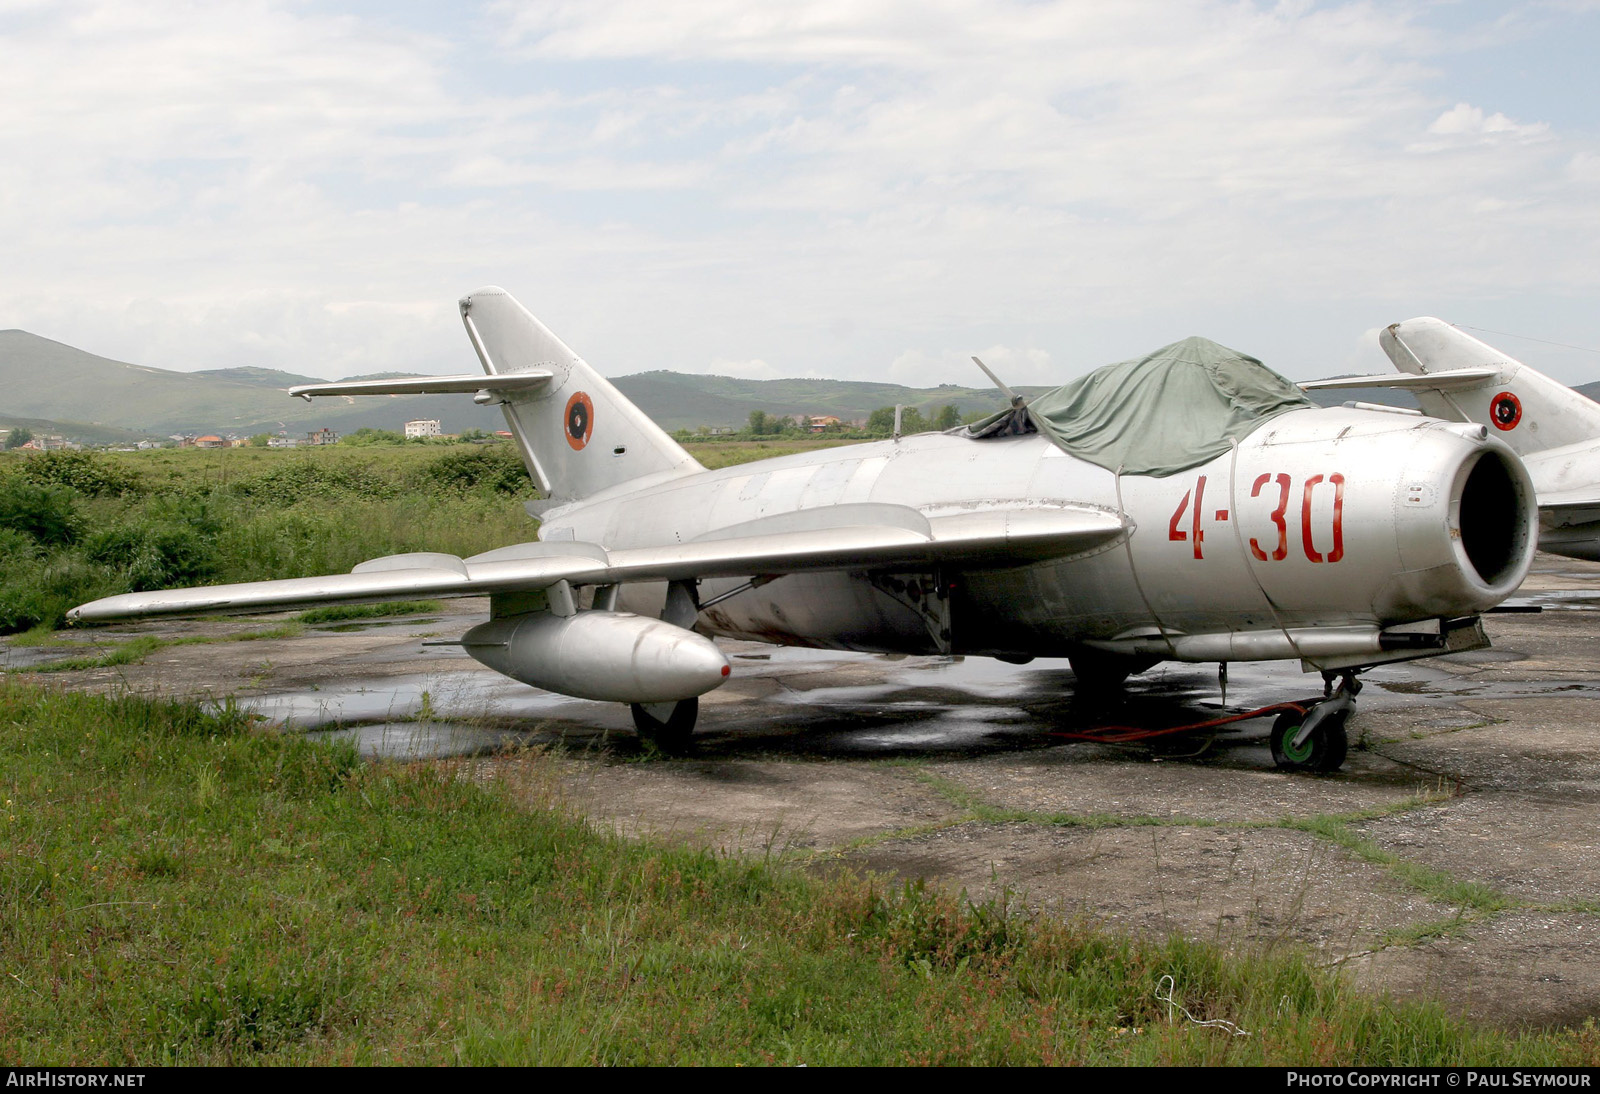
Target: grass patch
[1435, 884]
[42, 635]
[1414, 933]
[176, 888]
[715, 454]
[336, 613]
[135, 650]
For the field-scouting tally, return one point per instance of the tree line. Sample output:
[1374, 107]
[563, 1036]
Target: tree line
[880, 423]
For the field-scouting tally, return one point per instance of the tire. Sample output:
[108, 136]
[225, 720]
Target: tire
[672, 736]
[1322, 752]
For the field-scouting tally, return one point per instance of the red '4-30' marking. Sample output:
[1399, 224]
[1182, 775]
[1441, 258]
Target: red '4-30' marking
[1279, 517]
[1196, 532]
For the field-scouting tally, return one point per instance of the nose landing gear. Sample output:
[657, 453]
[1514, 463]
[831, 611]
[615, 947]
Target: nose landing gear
[1316, 740]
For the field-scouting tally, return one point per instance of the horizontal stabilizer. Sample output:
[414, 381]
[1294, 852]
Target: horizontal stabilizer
[429, 385]
[1453, 379]
[985, 539]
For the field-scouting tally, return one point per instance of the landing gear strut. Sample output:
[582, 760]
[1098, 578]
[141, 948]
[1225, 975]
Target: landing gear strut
[1316, 740]
[668, 726]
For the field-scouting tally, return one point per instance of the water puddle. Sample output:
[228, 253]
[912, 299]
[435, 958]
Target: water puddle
[1555, 600]
[22, 658]
[838, 702]
[421, 740]
[373, 624]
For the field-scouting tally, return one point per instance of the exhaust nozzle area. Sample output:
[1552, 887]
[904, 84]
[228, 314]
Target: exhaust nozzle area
[1473, 546]
[1357, 517]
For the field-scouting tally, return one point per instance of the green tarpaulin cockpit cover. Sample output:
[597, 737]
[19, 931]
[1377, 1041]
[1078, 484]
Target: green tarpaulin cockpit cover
[1172, 409]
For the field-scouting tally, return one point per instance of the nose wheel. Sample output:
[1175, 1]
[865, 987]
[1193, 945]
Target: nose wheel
[668, 726]
[1316, 740]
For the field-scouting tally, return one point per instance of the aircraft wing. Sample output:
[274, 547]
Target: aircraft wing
[984, 539]
[1445, 380]
[1558, 508]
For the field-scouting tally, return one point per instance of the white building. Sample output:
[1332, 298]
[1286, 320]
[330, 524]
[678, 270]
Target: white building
[422, 427]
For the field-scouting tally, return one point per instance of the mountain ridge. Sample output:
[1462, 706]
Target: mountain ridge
[41, 378]
[49, 381]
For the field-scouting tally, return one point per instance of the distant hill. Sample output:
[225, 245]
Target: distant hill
[45, 379]
[99, 400]
[679, 400]
[41, 378]
[1380, 395]
[266, 377]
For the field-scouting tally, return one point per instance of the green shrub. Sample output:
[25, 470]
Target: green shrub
[367, 435]
[495, 468]
[41, 590]
[206, 513]
[89, 474]
[16, 547]
[47, 514]
[299, 481]
[154, 555]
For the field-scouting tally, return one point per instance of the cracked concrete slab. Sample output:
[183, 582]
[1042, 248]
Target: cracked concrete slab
[1248, 888]
[751, 806]
[1067, 780]
[1520, 969]
[1530, 847]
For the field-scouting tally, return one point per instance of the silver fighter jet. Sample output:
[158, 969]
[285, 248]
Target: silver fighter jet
[1554, 429]
[1343, 538]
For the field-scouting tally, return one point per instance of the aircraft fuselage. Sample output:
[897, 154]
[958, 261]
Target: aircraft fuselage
[1327, 521]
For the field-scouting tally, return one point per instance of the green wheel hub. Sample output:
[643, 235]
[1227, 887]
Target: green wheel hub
[1323, 750]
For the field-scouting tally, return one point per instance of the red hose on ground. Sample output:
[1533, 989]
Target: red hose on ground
[1121, 735]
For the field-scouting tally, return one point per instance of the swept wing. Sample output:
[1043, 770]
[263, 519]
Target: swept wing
[984, 539]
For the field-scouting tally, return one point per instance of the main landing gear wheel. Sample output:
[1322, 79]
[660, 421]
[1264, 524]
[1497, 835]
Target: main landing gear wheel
[1316, 740]
[668, 726]
[1323, 749]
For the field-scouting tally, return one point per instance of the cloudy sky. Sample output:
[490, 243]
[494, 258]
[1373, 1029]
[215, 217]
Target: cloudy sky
[870, 189]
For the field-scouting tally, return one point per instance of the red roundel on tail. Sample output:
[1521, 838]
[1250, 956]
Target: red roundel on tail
[1505, 410]
[579, 420]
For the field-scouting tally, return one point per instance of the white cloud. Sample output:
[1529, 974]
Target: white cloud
[1466, 120]
[860, 189]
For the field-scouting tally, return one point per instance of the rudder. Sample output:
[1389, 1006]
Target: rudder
[1520, 405]
[578, 434]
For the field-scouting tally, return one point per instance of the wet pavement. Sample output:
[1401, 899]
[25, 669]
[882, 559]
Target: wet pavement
[1454, 856]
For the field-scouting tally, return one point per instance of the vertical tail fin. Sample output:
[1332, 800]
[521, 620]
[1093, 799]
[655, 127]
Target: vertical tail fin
[578, 434]
[1522, 406]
